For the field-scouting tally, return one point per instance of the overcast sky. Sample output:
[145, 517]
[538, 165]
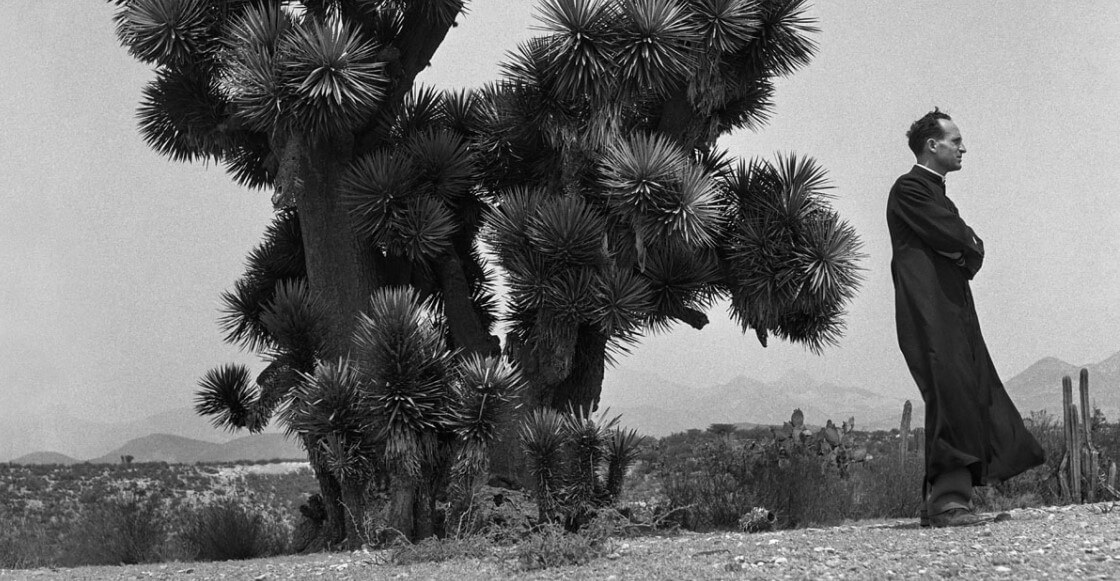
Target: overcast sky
[112, 258]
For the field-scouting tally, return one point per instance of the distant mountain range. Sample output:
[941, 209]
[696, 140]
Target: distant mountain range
[83, 439]
[658, 407]
[1039, 387]
[180, 450]
[647, 403]
[46, 458]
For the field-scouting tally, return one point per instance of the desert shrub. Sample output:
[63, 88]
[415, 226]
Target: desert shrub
[504, 516]
[550, 545]
[889, 487]
[804, 491]
[287, 490]
[25, 544]
[125, 529]
[708, 490]
[801, 476]
[227, 530]
[435, 550]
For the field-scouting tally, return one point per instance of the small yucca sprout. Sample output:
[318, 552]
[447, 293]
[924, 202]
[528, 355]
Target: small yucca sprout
[542, 437]
[622, 451]
[484, 397]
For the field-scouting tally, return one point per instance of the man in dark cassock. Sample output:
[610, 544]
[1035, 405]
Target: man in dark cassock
[974, 435]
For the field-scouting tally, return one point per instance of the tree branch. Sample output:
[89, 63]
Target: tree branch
[466, 329]
[418, 40]
[693, 318]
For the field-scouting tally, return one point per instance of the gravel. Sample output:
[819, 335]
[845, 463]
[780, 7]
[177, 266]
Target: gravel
[1070, 542]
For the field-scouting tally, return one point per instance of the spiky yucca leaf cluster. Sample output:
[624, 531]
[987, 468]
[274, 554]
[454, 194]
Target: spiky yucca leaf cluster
[405, 199]
[605, 128]
[278, 259]
[327, 411]
[485, 395]
[291, 336]
[227, 395]
[235, 77]
[425, 158]
[719, 54]
[577, 462]
[791, 261]
[424, 403]
[651, 183]
[636, 253]
[400, 343]
[559, 270]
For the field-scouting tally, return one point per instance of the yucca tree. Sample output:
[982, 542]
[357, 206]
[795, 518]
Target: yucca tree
[302, 98]
[615, 214]
[406, 411]
[591, 168]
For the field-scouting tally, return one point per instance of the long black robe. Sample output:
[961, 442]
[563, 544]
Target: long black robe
[970, 420]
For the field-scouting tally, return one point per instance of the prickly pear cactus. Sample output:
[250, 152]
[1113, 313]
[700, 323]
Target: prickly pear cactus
[831, 442]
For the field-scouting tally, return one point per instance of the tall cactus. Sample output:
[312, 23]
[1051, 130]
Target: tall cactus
[904, 432]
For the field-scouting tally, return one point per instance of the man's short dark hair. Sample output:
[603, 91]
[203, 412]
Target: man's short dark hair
[926, 127]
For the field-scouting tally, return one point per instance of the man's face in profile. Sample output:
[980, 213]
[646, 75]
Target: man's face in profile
[949, 150]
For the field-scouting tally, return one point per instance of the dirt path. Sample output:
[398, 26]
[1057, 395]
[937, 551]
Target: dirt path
[1080, 542]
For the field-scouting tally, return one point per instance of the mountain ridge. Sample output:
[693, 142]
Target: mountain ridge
[743, 400]
[82, 438]
[647, 402]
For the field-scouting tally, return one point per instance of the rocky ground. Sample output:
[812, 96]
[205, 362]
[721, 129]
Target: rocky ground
[1075, 542]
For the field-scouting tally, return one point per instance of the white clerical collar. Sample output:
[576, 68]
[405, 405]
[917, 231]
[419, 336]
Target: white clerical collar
[939, 176]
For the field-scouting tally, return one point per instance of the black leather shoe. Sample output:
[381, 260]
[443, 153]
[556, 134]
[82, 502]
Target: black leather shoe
[959, 517]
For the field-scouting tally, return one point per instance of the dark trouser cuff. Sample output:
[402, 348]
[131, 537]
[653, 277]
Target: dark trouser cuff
[950, 490]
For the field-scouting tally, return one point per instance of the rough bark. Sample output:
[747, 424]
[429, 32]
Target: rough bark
[466, 329]
[340, 268]
[582, 387]
[354, 509]
[401, 514]
[334, 527]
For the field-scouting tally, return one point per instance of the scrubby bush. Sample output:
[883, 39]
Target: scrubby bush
[800, 475]
[550, 545]
[122, 530]
[25, 544]
[436, 550]
[227, 529]
[889, 486]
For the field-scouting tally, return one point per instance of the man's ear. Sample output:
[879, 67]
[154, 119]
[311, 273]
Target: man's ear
[931, 143]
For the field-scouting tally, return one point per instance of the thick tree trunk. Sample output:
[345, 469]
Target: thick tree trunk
[566, 375]
[401, 514]
[424, 514]
[341, 269]
[334, 527]
[466, 328]
[582, 387]
[354, 509]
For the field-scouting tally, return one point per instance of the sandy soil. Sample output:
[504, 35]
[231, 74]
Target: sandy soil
[1076, 542]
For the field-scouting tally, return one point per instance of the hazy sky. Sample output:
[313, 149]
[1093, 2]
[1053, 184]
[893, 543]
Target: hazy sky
[112, 258]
